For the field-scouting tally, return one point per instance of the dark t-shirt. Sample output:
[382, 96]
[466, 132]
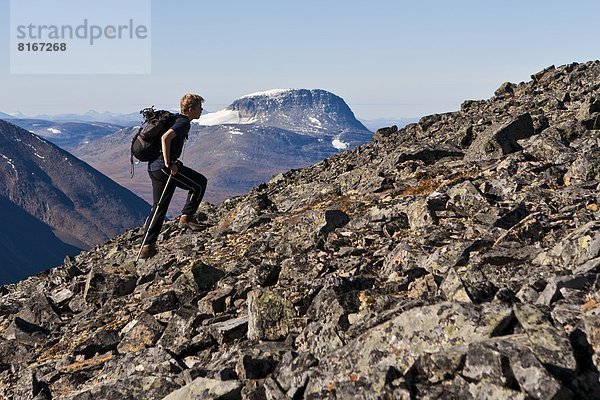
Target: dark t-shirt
[181, 128]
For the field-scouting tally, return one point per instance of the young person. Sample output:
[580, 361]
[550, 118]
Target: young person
[168, 164]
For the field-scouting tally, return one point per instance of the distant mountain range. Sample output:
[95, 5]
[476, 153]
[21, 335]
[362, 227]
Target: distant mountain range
[72, 130]
[90, 116]
[53, 204]
[67, 135]
[255, 137]
[124, 120]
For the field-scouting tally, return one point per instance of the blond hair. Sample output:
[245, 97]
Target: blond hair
[189, 101]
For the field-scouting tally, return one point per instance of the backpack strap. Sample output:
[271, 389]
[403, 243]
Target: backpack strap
[131, 154]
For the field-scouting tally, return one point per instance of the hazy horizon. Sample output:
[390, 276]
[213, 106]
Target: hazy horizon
[386, 59]
[19, 114]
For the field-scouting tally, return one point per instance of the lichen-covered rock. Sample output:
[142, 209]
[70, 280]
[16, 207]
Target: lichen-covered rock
[207, 389]
[580, 246]
[141, 332]
[270, 315]
[152, 386]
[501, 140]
[454, 289]
[551, 346]
[214, 302]
[106, 282]
[591, 318]
[399, 342]
[230, 330]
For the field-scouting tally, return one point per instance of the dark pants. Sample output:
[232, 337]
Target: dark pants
[185, 178]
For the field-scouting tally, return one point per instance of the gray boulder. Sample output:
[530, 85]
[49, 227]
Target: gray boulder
[500, 140]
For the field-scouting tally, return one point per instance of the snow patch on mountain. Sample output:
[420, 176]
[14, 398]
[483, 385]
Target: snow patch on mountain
[223, 117]
[10, 161]
[53, 130]
[271, 93]
[35, 152]
[315, 122]
[338, 144]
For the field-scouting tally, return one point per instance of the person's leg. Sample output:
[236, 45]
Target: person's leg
[158, 185]
[195, 183]
[159, 181]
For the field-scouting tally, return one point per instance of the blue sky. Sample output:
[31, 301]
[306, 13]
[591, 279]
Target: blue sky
[385, 58]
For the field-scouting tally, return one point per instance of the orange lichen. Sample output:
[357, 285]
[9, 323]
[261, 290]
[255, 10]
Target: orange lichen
[589, 305]
[86, 364]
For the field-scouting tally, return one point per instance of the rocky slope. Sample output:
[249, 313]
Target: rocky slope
[59, 204]
[455, 258]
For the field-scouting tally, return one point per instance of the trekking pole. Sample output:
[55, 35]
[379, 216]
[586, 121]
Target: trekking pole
[153, 217]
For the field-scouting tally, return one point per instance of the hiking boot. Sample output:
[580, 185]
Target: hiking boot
[148, 251]
[190, 221]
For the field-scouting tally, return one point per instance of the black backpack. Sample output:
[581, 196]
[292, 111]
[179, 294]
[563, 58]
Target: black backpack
[145, 145]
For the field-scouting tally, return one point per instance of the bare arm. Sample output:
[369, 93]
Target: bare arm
[165, 141]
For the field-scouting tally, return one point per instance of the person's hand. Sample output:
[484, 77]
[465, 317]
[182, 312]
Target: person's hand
[174, 169]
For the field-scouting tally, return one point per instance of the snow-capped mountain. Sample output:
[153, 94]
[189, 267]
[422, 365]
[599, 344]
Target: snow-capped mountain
[317, 113]
[53, 204]
[255, 137]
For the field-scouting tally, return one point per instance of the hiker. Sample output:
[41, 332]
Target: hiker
[168, 164]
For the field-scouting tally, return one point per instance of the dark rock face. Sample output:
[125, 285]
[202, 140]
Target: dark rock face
[500, 141]
[23, 258]
[420, 265]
